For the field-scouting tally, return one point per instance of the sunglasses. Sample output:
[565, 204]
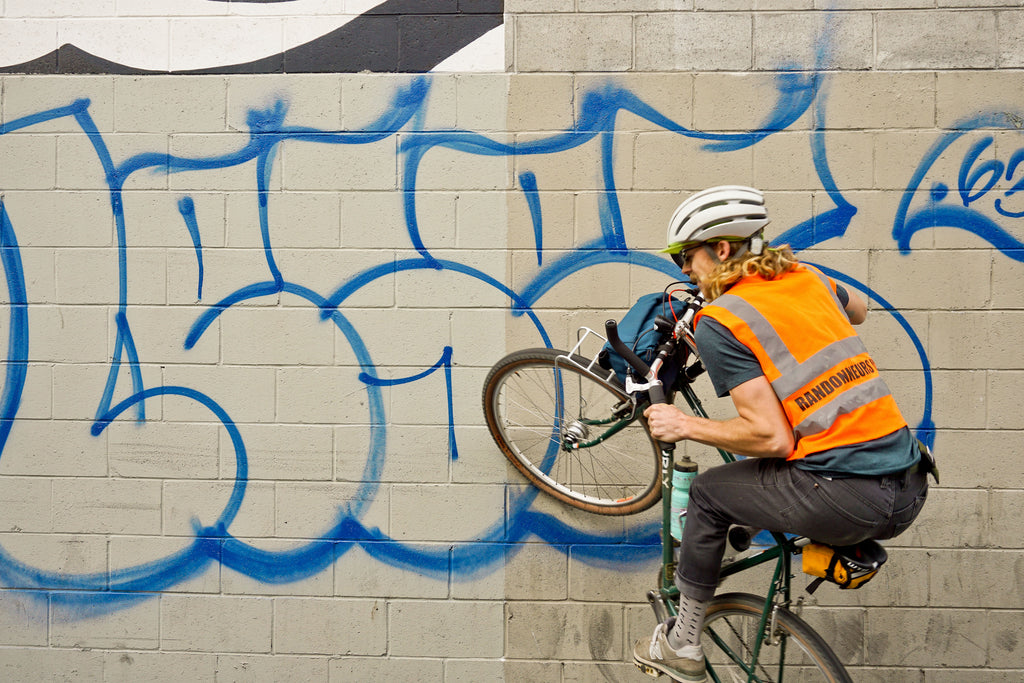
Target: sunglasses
[684, 258]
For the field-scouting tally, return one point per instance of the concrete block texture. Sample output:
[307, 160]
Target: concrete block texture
[829, 40]
[291, 616]
[216, 624]
[247, 320]
[943, 39]
[164, 666]
[446, 628]
[682, 41]
[584, 631]
[574, 42]
[941, 638]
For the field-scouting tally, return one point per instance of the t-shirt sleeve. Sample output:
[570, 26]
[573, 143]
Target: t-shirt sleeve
[842, 295]
[729, 363]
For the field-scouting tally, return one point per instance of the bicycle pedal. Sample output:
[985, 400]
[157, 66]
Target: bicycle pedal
[650, 671]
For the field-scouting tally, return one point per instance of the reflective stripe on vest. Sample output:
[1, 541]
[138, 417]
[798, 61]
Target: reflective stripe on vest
[831, 391]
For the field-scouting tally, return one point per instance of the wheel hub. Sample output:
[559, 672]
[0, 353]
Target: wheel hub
[574, 433]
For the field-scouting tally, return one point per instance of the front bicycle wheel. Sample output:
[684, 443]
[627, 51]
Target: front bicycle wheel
[792, 651]
[571, 434]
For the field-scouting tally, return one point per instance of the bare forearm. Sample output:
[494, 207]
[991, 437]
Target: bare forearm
[760, 428]
[735, 435]
[739, 437]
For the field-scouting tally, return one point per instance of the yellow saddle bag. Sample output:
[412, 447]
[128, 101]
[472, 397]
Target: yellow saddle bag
[848, 567]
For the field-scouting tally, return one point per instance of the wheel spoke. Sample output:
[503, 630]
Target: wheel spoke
[732, 631]
[589, 454]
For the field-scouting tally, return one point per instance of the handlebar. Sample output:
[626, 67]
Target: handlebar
[635, 361]
[679, 333]
[655, 389]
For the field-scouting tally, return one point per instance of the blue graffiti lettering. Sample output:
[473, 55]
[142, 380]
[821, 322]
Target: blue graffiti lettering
[938, 212]
[214, 543]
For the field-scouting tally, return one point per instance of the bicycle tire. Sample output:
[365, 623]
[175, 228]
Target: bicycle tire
[735, 617]
[528, 399]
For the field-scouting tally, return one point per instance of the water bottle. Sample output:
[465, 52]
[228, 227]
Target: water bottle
[683, 473]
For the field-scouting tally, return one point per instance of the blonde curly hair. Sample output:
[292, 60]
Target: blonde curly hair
[770, 264]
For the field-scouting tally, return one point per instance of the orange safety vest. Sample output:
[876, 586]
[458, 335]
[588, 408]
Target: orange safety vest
[819, 368]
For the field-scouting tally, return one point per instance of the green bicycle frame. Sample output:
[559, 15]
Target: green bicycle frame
[780, 553]
[617, 425]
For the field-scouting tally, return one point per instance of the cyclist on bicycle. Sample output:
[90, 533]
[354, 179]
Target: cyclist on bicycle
[829, 455]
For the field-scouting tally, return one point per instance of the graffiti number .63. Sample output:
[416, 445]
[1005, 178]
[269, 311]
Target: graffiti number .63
[991, 171]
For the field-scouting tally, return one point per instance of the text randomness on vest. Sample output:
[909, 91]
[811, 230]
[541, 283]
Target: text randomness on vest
[837, 381]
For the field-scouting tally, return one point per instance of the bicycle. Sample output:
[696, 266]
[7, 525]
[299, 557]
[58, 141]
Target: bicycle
[553, 414]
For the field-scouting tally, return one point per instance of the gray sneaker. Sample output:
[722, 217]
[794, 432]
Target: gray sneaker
[654, 657]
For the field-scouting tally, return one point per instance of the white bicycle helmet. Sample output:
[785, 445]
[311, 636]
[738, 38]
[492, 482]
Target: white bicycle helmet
[727, 212]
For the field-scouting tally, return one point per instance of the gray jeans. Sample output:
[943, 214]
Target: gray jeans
[772, 494]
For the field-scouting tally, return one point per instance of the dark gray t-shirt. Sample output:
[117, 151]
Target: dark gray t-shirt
[730, 363]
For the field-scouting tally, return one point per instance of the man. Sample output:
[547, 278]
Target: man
[829, 455]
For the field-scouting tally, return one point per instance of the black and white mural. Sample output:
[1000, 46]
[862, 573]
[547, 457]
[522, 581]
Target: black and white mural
[250, 36]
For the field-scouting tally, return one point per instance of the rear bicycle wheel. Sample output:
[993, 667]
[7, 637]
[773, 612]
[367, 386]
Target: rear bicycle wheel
[795, 651]
[549, 417]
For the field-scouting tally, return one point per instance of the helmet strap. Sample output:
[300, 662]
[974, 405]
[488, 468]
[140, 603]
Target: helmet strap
[755, 246]
[711, 253]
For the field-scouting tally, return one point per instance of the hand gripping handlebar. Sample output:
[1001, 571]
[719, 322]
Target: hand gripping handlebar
[655, 389]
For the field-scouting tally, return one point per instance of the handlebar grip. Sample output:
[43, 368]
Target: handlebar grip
[656, 392]
[611, 328]
[657, 395]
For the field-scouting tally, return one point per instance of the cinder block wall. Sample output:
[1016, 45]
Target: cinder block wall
[248, 319]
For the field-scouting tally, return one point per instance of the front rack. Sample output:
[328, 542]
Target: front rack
[592, 367]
